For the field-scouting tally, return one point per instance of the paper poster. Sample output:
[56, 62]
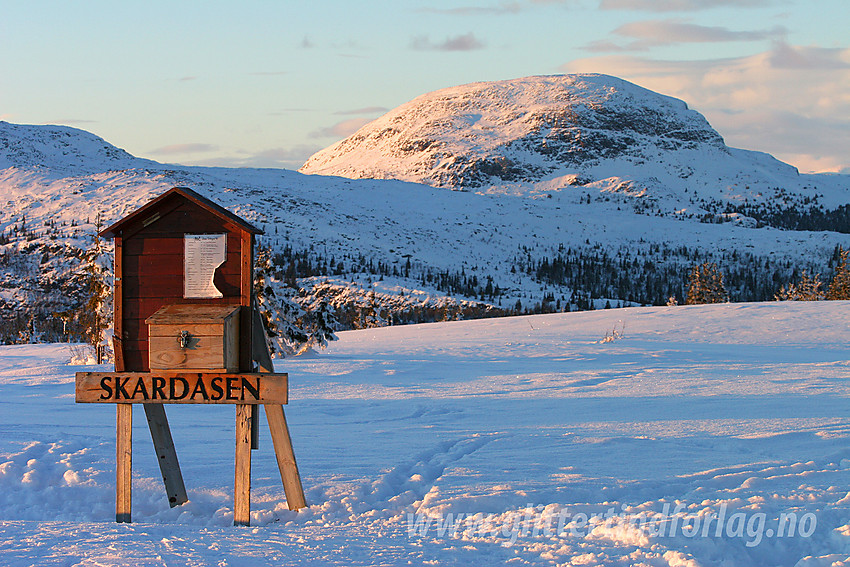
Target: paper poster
[203, 253]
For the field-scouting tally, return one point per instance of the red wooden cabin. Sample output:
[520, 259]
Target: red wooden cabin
[149, 268]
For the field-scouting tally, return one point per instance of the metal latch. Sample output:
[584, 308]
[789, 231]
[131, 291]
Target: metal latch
[184, 339]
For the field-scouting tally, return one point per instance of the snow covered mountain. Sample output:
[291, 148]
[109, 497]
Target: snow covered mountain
[634, 191]
[575, 127]
[60, 148]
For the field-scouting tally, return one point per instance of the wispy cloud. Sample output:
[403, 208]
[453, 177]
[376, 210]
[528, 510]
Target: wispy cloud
[306, 43]
[651, 33]
[503, 8]
[789, 101]
[365, 110]
[341, 129]
[179, 149]
[286, 158]
[679, 5]
[785, 56]
[465, 42]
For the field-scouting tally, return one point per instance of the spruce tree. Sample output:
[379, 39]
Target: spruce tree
[96, 313]
[808, 289]
[290, 327]
[320, 319]
[839, 287]
[705, 285]
[278, 311]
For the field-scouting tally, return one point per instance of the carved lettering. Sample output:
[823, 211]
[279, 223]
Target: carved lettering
[157, 388]
[201, 389]
[171, 388]
[254, 390]
[231, 385]
[107, 389]
[218, 392]
[140, 388]
[188, 387]
[119, 388]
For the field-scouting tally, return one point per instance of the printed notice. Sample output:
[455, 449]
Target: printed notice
[203, 253]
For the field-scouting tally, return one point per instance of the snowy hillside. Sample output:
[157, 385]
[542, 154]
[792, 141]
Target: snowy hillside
[60, 148]
[698, 438]
[616, 222]
[516, 130]
[561, 130]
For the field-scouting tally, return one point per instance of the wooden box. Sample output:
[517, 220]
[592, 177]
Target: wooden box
[194, 337]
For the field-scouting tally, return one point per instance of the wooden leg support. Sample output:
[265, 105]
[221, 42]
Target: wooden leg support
[166, 454]
[285, 457]
[124, 462]
[242, 483]
[255, 426]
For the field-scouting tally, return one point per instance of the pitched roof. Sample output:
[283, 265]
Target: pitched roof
[185, 193]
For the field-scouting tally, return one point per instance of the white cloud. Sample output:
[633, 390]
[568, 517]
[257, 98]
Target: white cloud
[791, 101]
[365, 110]
[341, 129]
[651, 33]
[678, 5]
[465, 42]
[177, 149]
[287, 158]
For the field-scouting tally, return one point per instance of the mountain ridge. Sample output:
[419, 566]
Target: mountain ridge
[61, 148]
[525, 131]
[623, 231]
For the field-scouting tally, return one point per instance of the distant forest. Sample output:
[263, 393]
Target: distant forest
[44, 286]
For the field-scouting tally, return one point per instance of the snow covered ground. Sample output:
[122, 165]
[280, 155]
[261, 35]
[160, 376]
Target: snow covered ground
[701, 436]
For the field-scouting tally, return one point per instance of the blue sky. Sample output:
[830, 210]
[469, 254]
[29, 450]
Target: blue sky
[262, 83]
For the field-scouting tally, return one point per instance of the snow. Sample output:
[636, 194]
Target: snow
[526, 441]
[646, 203]
[390, 221]
[433, 138]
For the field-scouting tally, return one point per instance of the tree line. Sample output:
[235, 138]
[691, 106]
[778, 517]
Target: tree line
[61, 293]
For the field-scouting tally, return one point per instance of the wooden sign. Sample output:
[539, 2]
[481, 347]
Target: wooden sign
[181, 388]
[187, 331]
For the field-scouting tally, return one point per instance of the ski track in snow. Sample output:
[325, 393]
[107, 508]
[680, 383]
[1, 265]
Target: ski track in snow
[495, 424]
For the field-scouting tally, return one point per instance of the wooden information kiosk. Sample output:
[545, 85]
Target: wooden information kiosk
[187, 332]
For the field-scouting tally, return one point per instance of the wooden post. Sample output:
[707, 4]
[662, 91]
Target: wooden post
[281, 440]
[242, 482]
[255, 426]
[124, 462]
[150, 277]
[285, 457]
[163, 444]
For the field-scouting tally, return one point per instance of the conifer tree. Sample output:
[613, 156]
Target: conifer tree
[324, 324]
[370, 312]
[96, 313]
[290, 328]
[320, 320]
[278, 311]
[808, 289]
[839, 287]
[705, 285]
